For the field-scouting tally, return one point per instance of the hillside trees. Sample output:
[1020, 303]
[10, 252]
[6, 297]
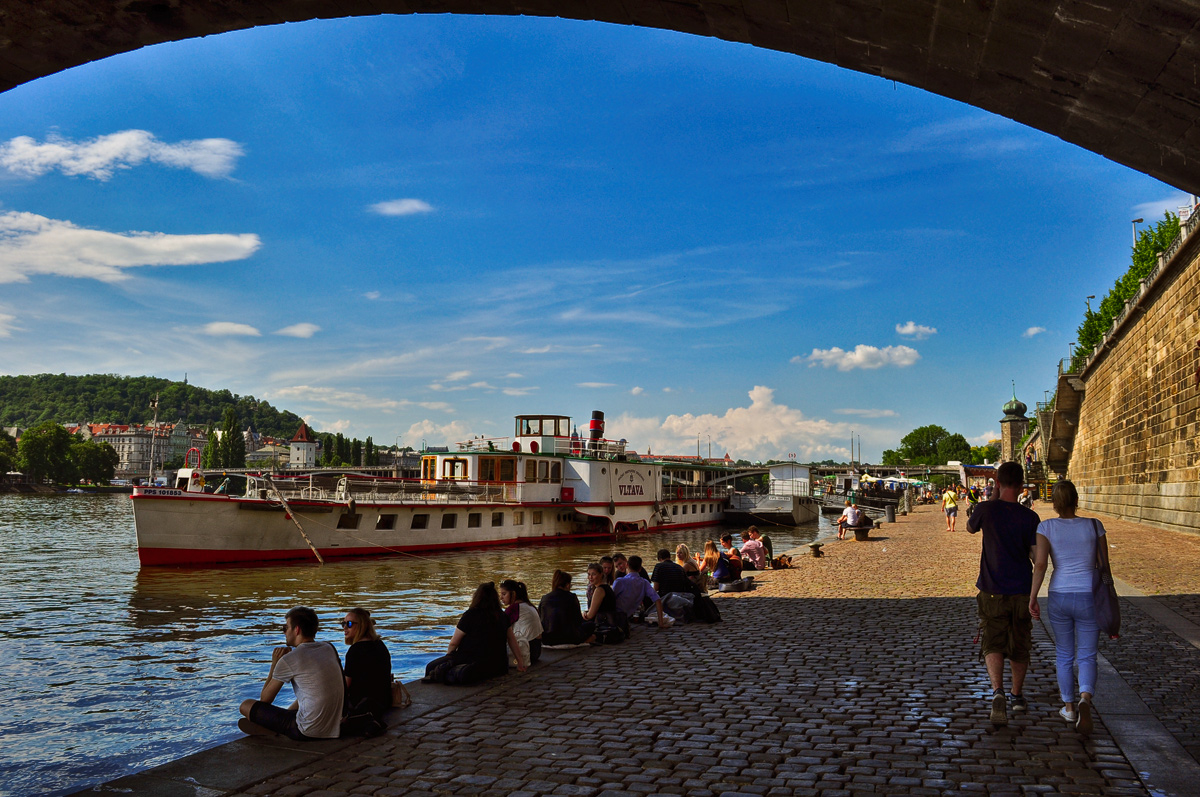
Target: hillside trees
[45, 453]
[95, 462]
[8, 452]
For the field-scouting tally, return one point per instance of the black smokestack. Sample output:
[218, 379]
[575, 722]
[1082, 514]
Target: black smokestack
[596, 427]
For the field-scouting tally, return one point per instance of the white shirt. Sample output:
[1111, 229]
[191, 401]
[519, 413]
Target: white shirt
[1073, 551]
[315, 672]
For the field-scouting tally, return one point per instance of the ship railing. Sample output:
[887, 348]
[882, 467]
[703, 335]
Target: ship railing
[693, 492]
[499, 445]
[582, 447]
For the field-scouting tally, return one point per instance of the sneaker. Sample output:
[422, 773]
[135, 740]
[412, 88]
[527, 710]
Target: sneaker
[1068, 715]
[1018, 702]
[1084, 722]
[999, 714]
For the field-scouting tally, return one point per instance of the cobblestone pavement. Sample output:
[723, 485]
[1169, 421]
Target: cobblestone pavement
[851, 674]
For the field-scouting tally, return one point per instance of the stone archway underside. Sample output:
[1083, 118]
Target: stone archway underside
[1118, 77]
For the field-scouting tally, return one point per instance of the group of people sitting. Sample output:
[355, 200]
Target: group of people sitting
[500, 629]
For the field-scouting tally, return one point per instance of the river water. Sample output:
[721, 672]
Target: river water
[108, 668]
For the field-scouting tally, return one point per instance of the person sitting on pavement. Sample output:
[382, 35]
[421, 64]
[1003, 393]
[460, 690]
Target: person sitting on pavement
[562, 619]
[476, 651]
[608, 566]
[733, 554]
[716, 564]
[368, 670]
[1026, 498]
[669, 577]
[850, 519]
[314, 670]
[754, 553]
[683, 558]
[602, 609]
[526, 624]
[632, 591]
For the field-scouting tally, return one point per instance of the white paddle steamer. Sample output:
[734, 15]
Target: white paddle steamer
[545, 483]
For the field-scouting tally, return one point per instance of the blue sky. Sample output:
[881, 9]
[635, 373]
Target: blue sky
[418, 227]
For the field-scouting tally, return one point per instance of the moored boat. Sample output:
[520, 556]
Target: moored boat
[545, 483]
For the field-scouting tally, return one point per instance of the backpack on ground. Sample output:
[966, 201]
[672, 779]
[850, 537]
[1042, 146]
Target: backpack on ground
[706, 610]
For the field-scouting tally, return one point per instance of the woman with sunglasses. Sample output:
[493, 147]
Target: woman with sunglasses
[368, 669]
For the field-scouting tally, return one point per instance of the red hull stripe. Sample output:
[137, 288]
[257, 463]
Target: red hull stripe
[195, 556]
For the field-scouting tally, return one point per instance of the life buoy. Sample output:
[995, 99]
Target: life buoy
[710, 492]
[679, 492]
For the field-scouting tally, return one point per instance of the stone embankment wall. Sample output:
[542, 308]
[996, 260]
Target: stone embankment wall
[1137, 449]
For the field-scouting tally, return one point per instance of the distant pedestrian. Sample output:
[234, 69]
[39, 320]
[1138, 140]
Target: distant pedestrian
[1026, 499]
[950, 507]
[1078, 547]
[1005, 578]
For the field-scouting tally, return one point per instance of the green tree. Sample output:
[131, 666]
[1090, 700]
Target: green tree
[210, 457]
[233, 445]
[1097, 321]
[8, 452]
[356, 453]
[45, 453]
[95, 462]
[892, 459]
[953, 448]
[989, 452]
[370, 457]
[921, 445]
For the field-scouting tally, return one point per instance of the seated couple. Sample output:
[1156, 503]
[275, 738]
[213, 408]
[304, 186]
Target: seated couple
[852, 518]
[325, 693]
[477, 650]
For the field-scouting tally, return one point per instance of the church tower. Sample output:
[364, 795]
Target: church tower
[1013, 427]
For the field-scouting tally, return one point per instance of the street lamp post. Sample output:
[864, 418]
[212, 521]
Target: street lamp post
[1088, 301]
[1136, 222]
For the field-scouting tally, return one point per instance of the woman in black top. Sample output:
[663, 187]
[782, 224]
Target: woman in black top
[602, 609]
[476, 650]
[368, 669]
[562, 619]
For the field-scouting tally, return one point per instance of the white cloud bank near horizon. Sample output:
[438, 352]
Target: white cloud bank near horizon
[31, 244]
[762, 430]
[861, 356]
[101, 157]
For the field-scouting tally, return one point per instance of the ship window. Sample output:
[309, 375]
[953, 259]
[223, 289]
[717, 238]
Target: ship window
[537, 518]
[693, 509]
[497, 469]
[543, 471]
[420, 521]
[531, 470]
[675, 509]
[497, 518]
[685, 509]
[454, 469]
[474, 520]
[348, 521]
[429, 468]
[385, 523]
[556, 472]
[518, 518]
[449, 520]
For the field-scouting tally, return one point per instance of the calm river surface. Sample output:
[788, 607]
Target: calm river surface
[108, 668]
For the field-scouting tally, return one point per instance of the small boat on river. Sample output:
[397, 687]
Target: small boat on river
[545, 483]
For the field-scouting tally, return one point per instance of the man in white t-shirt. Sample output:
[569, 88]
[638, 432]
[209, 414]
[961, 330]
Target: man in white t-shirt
[851, 517]
[314, 670]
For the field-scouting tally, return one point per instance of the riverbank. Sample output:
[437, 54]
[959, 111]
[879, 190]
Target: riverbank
[851, 673]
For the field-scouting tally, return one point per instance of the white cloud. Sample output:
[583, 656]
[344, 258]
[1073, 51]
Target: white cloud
[32, 244]
[667, 390]
[402, 207]
[513, 376]
[637, 391]
[983, 439]
[763, 429]
[349, 399]
[518, 391]
[372, 295]
[302, 330]
[867, 357]
[7, 325]
[1029, 333]
[457, 376]
[594, 384]
[453, 388]
[1153, 212]
[538, 350]
[437, 433]
[100, 157]
[230, 329]
[915, 331]
[868, 413]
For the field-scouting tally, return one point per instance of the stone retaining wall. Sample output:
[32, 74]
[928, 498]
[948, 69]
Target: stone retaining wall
[1137, 449]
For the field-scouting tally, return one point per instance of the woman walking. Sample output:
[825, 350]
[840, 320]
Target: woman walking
[1077, 547]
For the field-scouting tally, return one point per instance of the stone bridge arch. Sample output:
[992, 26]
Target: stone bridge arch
[1118, 77]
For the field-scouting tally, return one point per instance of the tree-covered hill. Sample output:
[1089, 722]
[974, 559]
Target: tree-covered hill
[27, 401]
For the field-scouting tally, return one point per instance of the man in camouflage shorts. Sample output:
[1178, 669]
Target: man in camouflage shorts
[1005, 578]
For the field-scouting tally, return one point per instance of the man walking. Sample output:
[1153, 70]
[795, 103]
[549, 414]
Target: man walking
[1005, 578]
[315, 672]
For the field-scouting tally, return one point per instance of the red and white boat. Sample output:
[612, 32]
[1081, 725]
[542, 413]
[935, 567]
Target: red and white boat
[544, 483]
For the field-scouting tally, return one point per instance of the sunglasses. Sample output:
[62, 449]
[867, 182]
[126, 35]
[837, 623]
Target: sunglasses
[346, 624]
